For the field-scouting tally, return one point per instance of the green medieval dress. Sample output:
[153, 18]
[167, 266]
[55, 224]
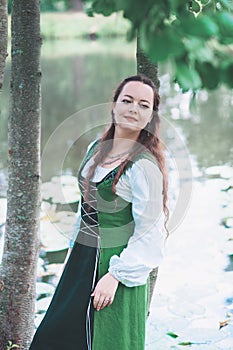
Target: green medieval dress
[71, 322]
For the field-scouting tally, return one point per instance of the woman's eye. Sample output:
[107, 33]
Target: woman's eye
[126, 101]
[144, 106]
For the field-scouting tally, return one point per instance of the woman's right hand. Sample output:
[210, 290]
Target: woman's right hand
[104, 292]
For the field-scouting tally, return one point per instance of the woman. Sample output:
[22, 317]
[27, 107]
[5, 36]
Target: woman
[101, 300]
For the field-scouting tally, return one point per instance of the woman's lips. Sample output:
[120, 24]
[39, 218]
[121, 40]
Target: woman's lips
[131, 119]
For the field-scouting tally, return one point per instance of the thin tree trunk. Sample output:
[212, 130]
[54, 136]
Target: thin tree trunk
[145, 66]
[18, 271]
[3, 38]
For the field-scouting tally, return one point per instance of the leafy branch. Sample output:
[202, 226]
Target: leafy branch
[195, 36]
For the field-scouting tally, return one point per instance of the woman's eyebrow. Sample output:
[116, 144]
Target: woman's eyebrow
[140, 100]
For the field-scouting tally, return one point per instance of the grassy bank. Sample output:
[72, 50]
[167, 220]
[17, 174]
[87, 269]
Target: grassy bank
[61, 30]
[69, 25]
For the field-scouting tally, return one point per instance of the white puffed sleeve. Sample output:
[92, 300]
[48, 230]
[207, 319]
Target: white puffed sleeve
[143, 182]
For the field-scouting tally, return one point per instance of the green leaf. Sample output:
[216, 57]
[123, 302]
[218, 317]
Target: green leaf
[228, 4]
[132, 33]
[160, 46]
[187, 77]
[202, 26]
[147, 28]
[206, 27]
[225, 22]
[121, 5]
[173, 335]
[105, 7]
[90, 12]
[209, 75]
[227, 73]
[135, 10]
[198, 50]
[176, 4]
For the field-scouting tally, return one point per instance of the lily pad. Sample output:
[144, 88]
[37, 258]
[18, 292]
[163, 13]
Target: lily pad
[43, 304]
[60, 218]
[192, 293]
[56, 227]
[61, 189]
[223, 171]
[51, 237]
[51, 270]
[202, 335]
[65, 180]
[184, 308]
[44, 288]
[47, 209]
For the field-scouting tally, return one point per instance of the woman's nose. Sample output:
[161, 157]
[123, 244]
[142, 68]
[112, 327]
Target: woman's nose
[133, 107]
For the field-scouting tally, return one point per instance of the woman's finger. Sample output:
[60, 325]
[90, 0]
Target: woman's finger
[95, 300]
[106, 302]
[102, 302]
[99, 302]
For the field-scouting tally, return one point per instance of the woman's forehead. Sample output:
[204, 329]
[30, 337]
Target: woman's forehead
[138, 90]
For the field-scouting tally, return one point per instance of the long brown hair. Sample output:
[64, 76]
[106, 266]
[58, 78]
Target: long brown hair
[148, 139]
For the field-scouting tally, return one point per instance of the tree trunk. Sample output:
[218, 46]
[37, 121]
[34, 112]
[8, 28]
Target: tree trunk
[3, 38]
[21, 247]
[145, 66]
[75, 5]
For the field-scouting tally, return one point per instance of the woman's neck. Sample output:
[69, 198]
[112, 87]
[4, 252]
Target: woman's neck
[122, 142]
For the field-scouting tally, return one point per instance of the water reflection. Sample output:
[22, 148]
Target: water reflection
[206, 121]
[75, 75]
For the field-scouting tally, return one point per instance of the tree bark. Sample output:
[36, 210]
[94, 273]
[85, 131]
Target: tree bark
[21, 244]
[145, 66]
[3, 38]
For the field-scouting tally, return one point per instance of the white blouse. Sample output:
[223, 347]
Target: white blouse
[142, 185]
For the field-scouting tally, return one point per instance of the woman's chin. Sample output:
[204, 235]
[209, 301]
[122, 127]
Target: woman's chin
[130, 127]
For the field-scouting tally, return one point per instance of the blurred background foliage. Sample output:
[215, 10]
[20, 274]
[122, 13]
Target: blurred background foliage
[195, 35]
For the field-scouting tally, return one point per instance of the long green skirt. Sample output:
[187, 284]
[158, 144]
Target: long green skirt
[72, 323]
[123, 324]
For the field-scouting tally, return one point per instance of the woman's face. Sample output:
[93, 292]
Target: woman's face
[134, 106]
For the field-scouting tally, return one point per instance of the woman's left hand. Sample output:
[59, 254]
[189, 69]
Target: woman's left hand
[104, 292]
